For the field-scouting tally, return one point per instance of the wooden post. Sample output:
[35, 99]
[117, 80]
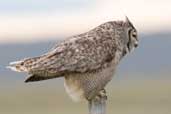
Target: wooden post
[98, 106]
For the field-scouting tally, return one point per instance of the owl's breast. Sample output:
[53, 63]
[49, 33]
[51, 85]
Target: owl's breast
[73, 88]
[87, 85]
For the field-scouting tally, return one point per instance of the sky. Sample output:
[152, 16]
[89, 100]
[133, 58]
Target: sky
[38, 20]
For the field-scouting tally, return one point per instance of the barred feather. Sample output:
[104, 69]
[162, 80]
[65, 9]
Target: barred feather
[23, 65]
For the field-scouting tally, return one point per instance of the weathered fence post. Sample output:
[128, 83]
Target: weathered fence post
[98, 106]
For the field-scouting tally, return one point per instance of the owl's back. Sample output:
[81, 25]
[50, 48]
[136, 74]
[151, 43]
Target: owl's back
[87, 52]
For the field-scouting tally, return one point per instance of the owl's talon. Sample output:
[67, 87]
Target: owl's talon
[102, 94]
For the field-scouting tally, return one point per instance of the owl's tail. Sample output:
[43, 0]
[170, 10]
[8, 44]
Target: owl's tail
[17, 66]
[23, 65]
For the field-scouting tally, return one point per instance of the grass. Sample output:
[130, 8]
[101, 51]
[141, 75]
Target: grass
[142, 97]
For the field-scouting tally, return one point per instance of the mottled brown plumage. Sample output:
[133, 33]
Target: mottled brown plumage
[86, 61]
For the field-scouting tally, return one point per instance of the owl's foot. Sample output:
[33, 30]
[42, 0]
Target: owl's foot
[102, 94]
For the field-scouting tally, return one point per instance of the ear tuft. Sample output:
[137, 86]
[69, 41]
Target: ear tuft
[128, 22]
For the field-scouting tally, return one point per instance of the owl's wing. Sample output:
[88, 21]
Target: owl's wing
[77, 55]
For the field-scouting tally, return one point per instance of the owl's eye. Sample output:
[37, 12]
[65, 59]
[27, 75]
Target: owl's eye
[134, 35]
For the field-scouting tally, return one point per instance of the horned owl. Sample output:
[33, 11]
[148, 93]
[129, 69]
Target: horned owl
[86, 61]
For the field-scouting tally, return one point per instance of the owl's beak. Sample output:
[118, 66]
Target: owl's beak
[136, 45]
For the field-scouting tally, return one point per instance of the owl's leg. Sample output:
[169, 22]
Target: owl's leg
[98, 104]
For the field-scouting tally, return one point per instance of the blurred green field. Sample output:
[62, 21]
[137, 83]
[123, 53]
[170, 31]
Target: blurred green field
[124, 97]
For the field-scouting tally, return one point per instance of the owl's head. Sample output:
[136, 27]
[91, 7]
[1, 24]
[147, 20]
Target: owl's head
[132, 36]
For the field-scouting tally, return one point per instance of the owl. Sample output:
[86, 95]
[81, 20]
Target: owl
[86, 61]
